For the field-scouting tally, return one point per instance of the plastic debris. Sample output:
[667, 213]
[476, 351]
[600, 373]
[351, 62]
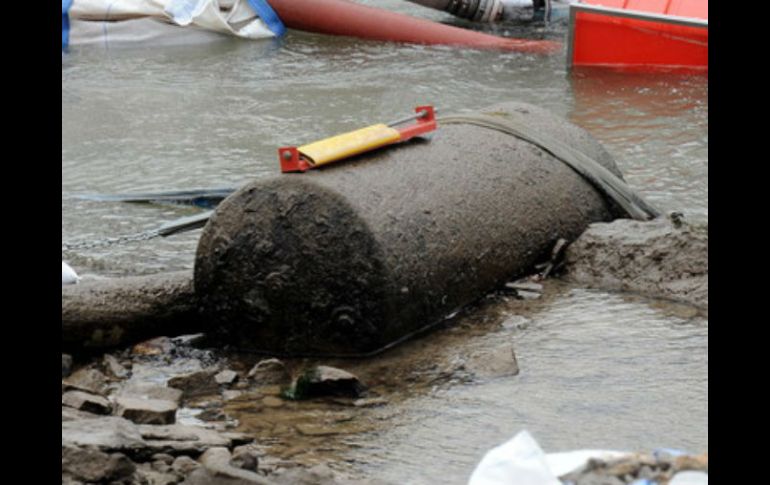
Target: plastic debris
[68, 275]
[690, 478]
[520, 461]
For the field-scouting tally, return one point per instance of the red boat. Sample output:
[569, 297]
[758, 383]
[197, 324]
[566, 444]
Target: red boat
[639, 34]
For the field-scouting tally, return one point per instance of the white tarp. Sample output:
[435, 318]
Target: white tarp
[521, 461]
[68, 275]
[162, 21]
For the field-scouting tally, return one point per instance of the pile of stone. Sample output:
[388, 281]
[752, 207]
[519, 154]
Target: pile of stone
[126, 419]
[658, 468]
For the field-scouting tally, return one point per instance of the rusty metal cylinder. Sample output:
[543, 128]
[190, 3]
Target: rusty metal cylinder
[352, 257]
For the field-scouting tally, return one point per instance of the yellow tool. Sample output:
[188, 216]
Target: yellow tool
[322, 152]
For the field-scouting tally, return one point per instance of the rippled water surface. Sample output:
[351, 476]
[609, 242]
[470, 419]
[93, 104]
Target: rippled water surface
[598, 370]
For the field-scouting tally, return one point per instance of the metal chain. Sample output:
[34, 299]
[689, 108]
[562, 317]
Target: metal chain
[110, 241]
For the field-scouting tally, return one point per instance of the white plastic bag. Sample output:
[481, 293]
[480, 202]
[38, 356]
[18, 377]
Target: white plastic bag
[162, 22]
[68, 275]
[520, 461]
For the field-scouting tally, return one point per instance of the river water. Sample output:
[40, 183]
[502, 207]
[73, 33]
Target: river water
[598, 370]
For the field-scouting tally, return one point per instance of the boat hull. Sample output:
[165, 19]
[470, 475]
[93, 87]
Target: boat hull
[630, 39]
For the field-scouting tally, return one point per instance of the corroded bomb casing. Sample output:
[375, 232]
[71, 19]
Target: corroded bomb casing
[354, 256]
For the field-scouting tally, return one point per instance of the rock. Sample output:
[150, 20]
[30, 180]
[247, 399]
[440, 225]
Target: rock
[184, 465]
[68, 480]
[72, 414]
[269, 371]
[66, 365]
[370, 402]
[325, 381]
[114, 367]
[154, 346]
[189, 340]
[150, 391]
[146, 411]
[237, 439]
[499, 361]
[92, 465]
[176, 439]
[230, 395]
[84, 401]
[86, 379]
[653, 258]
[160, 466]
[689, 462]
[156, 473]
[657, 467]
[525, 285]
[195, 384]
[245, 457]
[213, 413]
[202, 476]
[226, 377]
[163, 457]
[217, 460]
[105, 433]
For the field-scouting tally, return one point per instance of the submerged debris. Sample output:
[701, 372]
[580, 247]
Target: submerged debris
[325, 381]
[269, 371]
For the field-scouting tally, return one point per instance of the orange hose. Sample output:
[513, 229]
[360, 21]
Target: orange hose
[342, 17]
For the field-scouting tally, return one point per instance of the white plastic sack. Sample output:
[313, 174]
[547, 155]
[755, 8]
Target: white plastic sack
[690, 478]
[520, 461]
[145, 31]
[162, 21]
[68, 275]
[210, 15]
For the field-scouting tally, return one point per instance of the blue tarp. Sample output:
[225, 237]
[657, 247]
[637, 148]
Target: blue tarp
[65, 22]
[268, 15]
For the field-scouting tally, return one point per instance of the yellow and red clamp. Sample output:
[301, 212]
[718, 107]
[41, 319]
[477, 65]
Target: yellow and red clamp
[339, 147]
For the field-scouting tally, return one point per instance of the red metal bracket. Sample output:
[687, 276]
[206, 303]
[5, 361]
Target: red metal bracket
[291, 161]
[423, 124]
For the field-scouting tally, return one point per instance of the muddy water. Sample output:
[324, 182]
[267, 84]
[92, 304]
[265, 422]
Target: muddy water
[597, 369]
[591, 370]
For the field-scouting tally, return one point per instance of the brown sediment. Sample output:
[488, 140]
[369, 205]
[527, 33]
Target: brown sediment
[659, 258]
